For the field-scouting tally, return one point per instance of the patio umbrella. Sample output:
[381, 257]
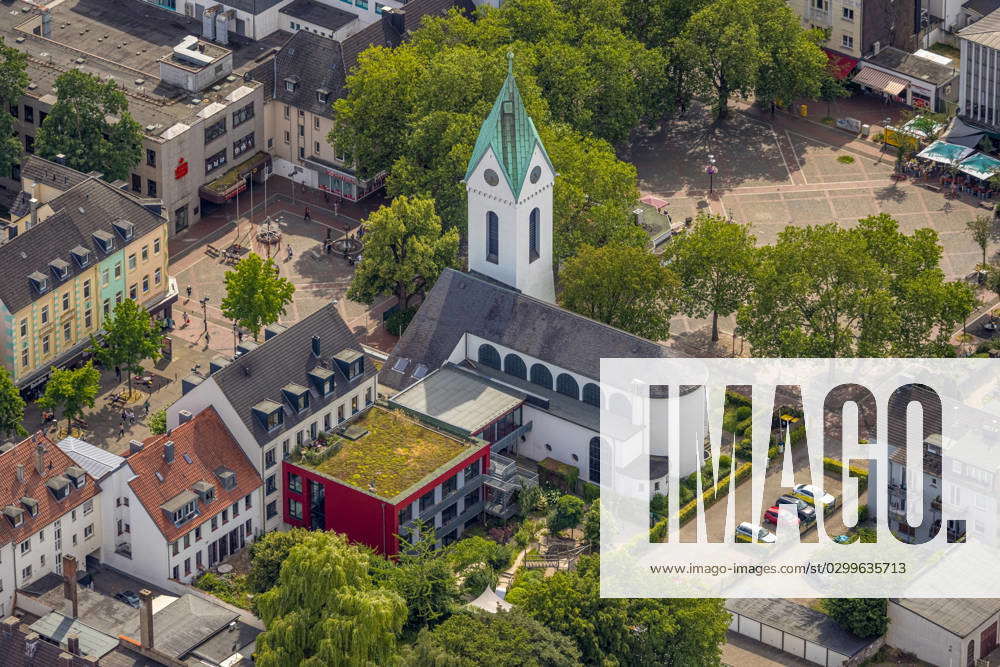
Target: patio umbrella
[980, 165]
[945, 153]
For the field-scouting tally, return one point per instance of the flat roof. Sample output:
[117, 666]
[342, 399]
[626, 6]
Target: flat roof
[319, 14]
[959, 616]
[56, 626]
[459, 398]
[395, 454]
[912, 65]
[800, 621]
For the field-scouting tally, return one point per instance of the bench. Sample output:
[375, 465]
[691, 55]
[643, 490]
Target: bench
[935, 188]
[211, 250]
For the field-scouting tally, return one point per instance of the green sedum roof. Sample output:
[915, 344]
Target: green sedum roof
[510, 132]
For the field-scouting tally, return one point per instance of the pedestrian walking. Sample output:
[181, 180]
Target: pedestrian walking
[305, 215]
[121, 431]
[145, 408]
[118, 373]
[131, 416]
[288, 247]
[189, 292]
[124, 415]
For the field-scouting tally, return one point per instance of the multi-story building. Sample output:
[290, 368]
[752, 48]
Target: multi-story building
[86, 250]
[910, 78]
[858, 28]
[281, 394]
[202, 121]
[978, 97]
[181, 502]
[49, 506]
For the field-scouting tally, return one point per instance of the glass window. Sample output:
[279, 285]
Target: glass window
[294, 509]
[492, 237]
[131, 262]
[242, 115]
[150, 157]
[151, 187]
[294, 483]
[215, 161]
[215, 130]
[243, 145]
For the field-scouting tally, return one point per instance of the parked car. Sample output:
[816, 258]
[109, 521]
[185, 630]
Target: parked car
[131, 598]
[774, 513]
[806, 512]
[813, 494]
[746, 532]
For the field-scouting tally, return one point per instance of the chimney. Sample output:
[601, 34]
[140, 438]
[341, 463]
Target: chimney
[184, 416]
[146, 619]
[395, 18]
[60, 158]
[20, 472]
[168, 451]
[315, 346]
[34, 211]
[66, 660]
[40, 459]
[69, 583]
[73, 643]
[134, 446]
[9, 625]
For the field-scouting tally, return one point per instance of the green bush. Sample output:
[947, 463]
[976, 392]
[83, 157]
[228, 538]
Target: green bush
[862, 513]
[157, 422]
[837, 467]
[591, 492]
[797, 435]
[744, 426]
[397, 322]
[685, 495]
[737, 398]
[658, 504]
[567, 513]
[743, 412]
[478, 579]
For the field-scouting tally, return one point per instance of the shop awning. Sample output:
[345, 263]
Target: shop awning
[879, 80]
[945, 153]
[841, 66]
[963, 134]
[231, 183]
[980, 165]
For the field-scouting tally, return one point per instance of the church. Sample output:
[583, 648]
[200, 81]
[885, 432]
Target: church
[499, 322]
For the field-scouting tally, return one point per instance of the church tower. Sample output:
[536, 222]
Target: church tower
[509, 183]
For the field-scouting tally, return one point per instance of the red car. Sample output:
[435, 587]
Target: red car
[771, 516]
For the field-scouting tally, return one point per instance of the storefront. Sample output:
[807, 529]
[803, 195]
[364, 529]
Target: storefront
[910, 79]
[342, 181]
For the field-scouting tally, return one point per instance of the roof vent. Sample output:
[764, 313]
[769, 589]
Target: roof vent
[315, 346]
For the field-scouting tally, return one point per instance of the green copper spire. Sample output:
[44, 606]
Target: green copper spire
[509, 131]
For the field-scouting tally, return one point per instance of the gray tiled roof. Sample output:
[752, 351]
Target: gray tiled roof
[254, 7]
[58, 176]
[800, 621]
[461, 303]
[325, 16]
[959, 616]
[317, 63]
[260, 374]
[80, 211]
[184, 624]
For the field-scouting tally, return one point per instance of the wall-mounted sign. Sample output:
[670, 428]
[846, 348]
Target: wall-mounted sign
[181, 170]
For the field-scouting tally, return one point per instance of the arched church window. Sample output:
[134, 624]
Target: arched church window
[492, 237]
[533, 229]
[514, 365]
[489, 356]
[541, 376]
[567, 386]
[592, 394]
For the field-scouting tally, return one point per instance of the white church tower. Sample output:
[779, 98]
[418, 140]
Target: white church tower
[509, 183]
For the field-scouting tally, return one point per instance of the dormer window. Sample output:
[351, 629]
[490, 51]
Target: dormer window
[181, 508]
[60, 269]
[322, 95]
[291, 83]
[14, 514]
[205, 491]
[105, 240]
[31, 505]
[227, 478]
[59, 486]
[39, 281]
[270, 414]
[351, 363]
[297, 396]
[81, 255]
[323, 380]
[77, 476]
[125, 228]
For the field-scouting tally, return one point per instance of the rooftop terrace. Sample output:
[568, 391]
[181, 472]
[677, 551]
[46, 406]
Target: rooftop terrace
[393, 452]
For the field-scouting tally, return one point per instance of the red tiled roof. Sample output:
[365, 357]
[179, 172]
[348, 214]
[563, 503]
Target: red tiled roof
[209, 445]
[54, 463]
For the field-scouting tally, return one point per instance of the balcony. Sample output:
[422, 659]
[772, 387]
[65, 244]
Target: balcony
[510, 440]
[820, 16]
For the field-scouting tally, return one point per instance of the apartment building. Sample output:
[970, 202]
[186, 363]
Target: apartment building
[86, 250]
[281, 394]
[978, 97]
[49, 510]
[858, 28]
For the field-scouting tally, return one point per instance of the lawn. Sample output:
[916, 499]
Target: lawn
[947, 52]
[231, 588]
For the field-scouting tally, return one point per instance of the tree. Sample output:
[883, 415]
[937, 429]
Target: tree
[631, 631]
[11, 407]
[592, 525]
[326, 610]
[90, 124]
[13, 84]
[865, 617]
[478, 550]
[71, 390]
[713, 261]
[131, 336]
[832, 89]
[567, 513]
[256, 294]
[405, 251]
[157, 422]
[982, 231]
[506, 639]
[267, 553]
[623, 286]
[793, 66]
[870, 291]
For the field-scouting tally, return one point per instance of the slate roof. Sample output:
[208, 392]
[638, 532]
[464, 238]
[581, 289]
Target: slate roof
[209, 445]
[510, 133]
[982, 7]
[55, 175]
[57, 627]
[254, 7]
[54, 464]
[317, 63]
[325, 16]
[461, 303]
[184, 624]
[959, 616]
[260, 374]
[20, 647]
[900, 61]
[800, 621]
[96, 461]
[80, 211]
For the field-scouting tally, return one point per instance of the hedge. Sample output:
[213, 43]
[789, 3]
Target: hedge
[837, 467]
[708, 498]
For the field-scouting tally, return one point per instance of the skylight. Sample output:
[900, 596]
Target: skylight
[401, 364]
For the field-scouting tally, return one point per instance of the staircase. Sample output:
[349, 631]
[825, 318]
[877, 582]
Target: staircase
[504, 479]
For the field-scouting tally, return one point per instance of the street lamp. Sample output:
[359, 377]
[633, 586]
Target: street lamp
[711, 170]
[234, 338]
[204, 311]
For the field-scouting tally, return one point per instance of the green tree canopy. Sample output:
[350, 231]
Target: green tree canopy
[504, 639]
[630, 631]
[71, 390]
[624, 286]
[793, 66]
[405, 251]
[982, 229]
[865, 617]
[714, 261]
[78, 126]
[566, 514]
[325, 610]
[11, 407]
[13, 84]
[256, 294]
[870, 291]
[592, 524]
[131, 336]
[267, 553]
